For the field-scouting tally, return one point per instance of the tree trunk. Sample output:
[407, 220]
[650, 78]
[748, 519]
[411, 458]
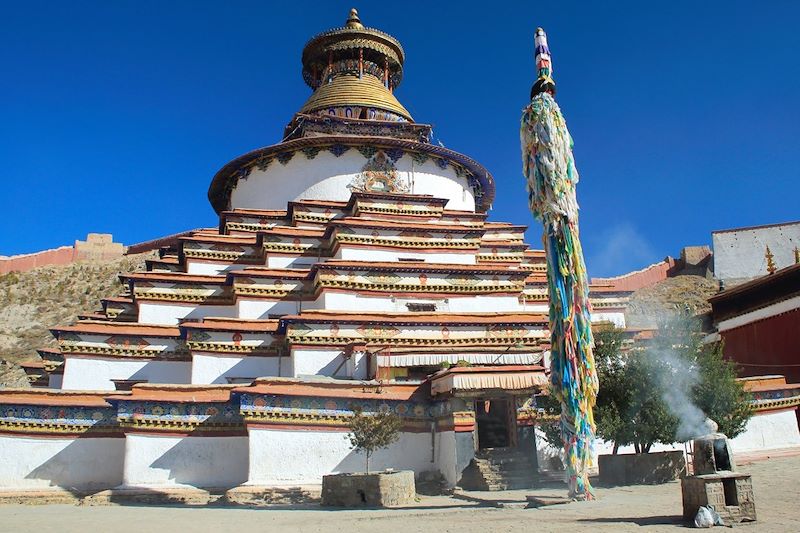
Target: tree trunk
[636, 447]
[616, 448]
[368, 462]
[646, 448]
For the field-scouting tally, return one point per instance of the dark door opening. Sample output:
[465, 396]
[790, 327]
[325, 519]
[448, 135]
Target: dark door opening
[492, 419]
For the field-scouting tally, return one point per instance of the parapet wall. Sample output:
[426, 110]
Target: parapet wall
[97, 246]
[641, 278]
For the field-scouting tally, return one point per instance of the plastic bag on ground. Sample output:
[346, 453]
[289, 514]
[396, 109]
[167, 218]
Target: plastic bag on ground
[704, 518]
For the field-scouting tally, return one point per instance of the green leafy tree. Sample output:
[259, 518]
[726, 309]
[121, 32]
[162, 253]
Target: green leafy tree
[370, 432]
[663, 391]
[719, 394]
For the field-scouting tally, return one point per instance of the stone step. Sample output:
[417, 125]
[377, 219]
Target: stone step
[511, 459]
[506, 467]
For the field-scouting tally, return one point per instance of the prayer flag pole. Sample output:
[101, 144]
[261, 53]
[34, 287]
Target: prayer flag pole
[549, 168]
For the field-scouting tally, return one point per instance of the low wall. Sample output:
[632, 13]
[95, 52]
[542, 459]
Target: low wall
[168, 461]
[97, 246]
[641, 468]
[766, 431]
[22, 263]
[281, 457]
[71, 463]
[641, 278]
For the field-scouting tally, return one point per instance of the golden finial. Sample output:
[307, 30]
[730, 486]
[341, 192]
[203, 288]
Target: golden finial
[353, 21]
[771, 268]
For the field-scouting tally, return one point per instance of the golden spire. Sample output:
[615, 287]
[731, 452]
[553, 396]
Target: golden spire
[771, 268]
[353, 21]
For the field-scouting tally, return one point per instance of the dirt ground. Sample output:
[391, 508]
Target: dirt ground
[632, 508]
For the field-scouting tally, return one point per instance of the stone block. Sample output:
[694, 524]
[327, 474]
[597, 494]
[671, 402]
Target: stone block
[642, 468]
[730, 494]
[382, 489]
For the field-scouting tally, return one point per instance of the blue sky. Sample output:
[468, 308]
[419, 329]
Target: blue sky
[114, 116]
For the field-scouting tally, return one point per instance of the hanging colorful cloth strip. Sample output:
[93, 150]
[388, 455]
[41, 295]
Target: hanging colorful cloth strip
[549, 167]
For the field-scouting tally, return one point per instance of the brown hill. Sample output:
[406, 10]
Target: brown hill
[33, 301]
[649, 306]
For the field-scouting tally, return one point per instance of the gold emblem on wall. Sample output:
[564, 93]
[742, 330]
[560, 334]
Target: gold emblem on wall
[378, 175]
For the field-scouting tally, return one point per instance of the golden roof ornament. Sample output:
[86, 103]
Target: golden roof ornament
[771, 268]
[353, 21]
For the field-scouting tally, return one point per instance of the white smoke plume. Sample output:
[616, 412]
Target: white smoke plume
[677, 377]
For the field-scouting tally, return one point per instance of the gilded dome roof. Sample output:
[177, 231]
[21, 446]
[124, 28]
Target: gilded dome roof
[348, 90]
[354, 66]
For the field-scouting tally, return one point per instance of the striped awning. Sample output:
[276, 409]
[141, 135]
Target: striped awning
[512, 378]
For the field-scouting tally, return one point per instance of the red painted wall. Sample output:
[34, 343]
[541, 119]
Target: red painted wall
[23, 263]
[641, 278]
[767, 346]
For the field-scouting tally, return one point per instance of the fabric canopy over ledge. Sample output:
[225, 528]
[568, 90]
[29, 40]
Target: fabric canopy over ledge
[513, 378]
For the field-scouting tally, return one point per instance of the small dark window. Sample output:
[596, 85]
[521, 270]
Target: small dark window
[421, 308]
[731, 494]
[410, 260]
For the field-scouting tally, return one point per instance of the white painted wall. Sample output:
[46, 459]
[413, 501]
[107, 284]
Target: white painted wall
[211, 462]
[290, 261]
[288, 457]
[768, 431]
[445, 453]
[170, 314]
[261, 309]
[763, 432]
[211, 368]
[212, 269]
[96, 373]
[326, 177]
[325, 361]
[484, 303]
[454, 257]
[616, 318]
[85, 463]
[740, 254]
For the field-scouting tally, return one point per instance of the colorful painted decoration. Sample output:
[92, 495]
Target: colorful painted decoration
[549, 167]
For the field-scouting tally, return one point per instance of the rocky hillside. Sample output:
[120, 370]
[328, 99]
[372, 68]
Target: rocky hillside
[33, 301]
[650, 305]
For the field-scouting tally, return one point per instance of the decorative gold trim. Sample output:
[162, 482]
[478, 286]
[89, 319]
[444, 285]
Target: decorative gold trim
[371, 209]
[221, 255]
[60, 429]
[430, 287]
[240, 290]
[129, 352]
[223, 347]
[177, 425]
[406, 242]
[771, 405]
[220, 299]
[499, 258]
[601, 304]
[533, 268]
[294, 418]
[248, 226]
[289, 247]
[535, 298]
[341, 340]
[316, 419]
[309, 216]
